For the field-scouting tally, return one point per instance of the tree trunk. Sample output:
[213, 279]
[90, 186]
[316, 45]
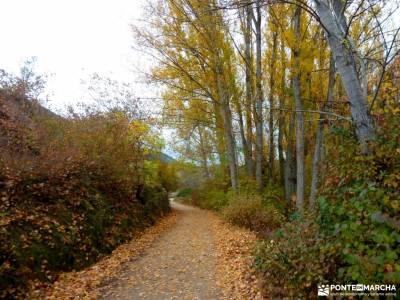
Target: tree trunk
[223, 103]
[316, 161]
[271, 157]
[319, 139]
[299, 114]
[249, 90]
[290, 167]
[247, 155]
[259, 100]
[227, 120]
[203, 151]
[281, 116]
[342, 49]
[219, 136]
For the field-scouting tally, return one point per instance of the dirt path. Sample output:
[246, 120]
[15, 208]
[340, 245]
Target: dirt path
[189, 254]
[181, 264]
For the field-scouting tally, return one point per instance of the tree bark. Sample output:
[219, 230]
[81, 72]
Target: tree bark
[281, 116]
[219, 136]
[342, 49]
[246, 154]
[249, 90]
[204, 160]
[271, 152]
[290, 167]
[299, 114]
[259, 100]
[319, 139]
[223, 97]
[227, 120]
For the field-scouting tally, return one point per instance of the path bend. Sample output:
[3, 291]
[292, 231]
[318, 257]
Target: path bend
[181, 263]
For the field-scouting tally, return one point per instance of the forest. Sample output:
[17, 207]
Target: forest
[283, 117]
[289, 112]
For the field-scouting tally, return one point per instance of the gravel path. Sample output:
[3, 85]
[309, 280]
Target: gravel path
[180, 264]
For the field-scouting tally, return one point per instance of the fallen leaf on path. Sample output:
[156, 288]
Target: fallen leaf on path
[85, 283]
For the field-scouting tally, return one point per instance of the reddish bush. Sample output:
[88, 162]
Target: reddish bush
[71, 190]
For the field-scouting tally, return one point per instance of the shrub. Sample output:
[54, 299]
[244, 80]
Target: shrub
[365, 229]
[71, 190]
[359, 205]
[355, 235]
[155, 200]
[167, 176]
[250, 211]
[213, 199]
[294, 260]
[63, 224]
[184, 193]
[184, 196]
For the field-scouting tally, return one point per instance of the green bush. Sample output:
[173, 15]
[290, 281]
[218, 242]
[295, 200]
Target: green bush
[184, 196]
[294, 260]
[250, 211]
[349, 241]
[364, 227]
[354, 237]
[184, 193]
[155, 200]
[213, 199]
[359, 206]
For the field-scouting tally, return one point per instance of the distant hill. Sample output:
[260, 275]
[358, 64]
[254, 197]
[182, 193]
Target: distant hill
[161, 157]
[16, 113]
[17, 120]
[24, 105]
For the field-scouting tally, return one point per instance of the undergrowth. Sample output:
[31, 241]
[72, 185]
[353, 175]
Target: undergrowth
[354, 236]
[71, 189]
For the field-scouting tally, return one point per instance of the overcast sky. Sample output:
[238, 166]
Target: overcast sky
[71, 40]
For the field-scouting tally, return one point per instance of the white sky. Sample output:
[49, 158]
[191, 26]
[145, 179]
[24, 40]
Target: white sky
[71, 40]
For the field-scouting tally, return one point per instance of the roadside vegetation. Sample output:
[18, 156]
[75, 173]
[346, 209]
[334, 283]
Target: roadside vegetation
[72, 188]
[287, 116]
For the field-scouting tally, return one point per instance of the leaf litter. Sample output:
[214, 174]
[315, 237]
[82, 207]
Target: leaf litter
[190, 254]
[84, 284]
